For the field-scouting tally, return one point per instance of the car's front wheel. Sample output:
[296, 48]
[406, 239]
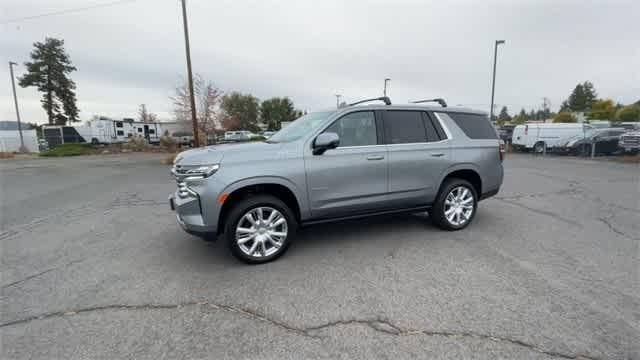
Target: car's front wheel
[259, 229]
[455, 205]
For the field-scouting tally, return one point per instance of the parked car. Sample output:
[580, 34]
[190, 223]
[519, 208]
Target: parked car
[537, 137]
[356, 161]
[268, 134]
[239, 135]
[630, 142]
[183, 138]
[605, 140]
[506, 133]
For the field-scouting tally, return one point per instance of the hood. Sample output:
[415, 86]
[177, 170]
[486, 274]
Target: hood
[216, 153]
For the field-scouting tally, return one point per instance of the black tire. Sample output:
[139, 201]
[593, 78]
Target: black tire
[438, 211]
[242, 208]
[539, 147]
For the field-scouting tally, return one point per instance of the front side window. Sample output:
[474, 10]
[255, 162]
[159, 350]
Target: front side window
[300, 128]
[355, 129]
[404, 127]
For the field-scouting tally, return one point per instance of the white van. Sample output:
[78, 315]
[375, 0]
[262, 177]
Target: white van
[537, 136]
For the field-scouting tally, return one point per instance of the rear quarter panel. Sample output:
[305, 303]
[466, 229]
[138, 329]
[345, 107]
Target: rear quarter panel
[481, 155]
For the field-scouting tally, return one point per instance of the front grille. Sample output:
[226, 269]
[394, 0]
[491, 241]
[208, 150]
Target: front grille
[630, 140]
[180, 173]
[183, 190]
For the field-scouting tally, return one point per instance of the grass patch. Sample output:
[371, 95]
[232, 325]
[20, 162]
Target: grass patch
[70, 150]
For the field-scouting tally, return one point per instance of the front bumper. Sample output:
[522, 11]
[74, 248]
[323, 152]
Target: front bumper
[189, 215]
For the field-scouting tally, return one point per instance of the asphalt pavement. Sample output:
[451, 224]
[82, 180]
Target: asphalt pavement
[94, 266]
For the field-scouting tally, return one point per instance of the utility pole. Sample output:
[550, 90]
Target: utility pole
[192, 98]
[338, 96]
[15, 100]
[384, 92]
[493, 83]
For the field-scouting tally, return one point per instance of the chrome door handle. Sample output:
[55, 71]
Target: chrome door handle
[437, 154]
[375, 157]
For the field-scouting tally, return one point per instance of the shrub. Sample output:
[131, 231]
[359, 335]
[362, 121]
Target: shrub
[167, 143]
[258, 138]
[136, 143]
[69, 150]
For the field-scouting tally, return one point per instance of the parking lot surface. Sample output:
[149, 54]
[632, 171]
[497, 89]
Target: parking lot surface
[94, 266]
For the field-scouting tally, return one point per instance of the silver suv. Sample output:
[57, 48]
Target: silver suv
[356, 161]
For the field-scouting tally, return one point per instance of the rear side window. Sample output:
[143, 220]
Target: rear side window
[404, 127]
[475, 126]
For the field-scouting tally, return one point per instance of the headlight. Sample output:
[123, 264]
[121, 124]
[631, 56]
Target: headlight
[203, 171]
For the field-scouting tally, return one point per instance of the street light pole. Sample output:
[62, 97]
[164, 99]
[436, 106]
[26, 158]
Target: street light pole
[192, 98]
[15, 100]
[493, 83]
[384, 92]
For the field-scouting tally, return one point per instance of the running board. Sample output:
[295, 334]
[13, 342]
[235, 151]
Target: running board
[365, 215]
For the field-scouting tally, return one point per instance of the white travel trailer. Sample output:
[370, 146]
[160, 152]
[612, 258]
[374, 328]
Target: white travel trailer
[539, 136]
[102, 131]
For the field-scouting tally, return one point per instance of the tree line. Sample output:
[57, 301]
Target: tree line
[583, 99]
[50, 68]
[216, 110]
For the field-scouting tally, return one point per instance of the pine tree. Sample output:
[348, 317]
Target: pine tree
[504, 115]
[49, 71]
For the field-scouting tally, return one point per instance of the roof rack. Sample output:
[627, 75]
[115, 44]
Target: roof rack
[438, 100]
[385, 99]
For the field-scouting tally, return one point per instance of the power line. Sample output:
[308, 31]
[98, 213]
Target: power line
[61, 12]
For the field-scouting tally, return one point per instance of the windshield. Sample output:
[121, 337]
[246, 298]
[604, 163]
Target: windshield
[300, 127]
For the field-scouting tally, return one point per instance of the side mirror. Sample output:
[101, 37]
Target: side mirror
[324, 142]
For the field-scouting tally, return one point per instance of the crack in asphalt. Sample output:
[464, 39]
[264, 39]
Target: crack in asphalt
[376, 324]
[38, 274]
[543, 212]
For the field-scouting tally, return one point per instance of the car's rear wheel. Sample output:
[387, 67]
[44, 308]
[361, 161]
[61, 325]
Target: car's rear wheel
[539, 147]
[259, 229]
[455, 206]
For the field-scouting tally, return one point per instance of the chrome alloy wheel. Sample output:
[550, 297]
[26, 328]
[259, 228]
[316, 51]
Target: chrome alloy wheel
[459, 206]
[261, 232]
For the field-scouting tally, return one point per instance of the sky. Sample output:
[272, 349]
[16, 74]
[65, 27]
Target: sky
[132, 52]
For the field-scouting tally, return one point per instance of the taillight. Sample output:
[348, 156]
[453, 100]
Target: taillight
[502, 150]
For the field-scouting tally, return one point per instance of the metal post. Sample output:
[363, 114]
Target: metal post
[15, 100]
[338, 96]
[194, 120]
[493, 82]
[384, 92]
[593, 149]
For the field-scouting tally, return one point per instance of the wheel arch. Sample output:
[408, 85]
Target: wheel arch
[467, 172]
[275, 186]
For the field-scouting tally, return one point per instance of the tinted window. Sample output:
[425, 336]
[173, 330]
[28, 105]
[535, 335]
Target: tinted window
[355, 129]
[475, 126]
[119, 124]
[404, 127]
[432, 134]
[120, 133]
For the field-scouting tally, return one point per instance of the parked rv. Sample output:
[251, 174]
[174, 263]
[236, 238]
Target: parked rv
[101, 131]
[537, 137]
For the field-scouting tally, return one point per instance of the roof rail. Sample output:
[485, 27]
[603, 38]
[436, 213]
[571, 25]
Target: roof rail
[385, 99]
[438, 100]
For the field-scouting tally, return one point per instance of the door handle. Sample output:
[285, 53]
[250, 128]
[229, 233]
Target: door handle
[375, 157]
[437, 154]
